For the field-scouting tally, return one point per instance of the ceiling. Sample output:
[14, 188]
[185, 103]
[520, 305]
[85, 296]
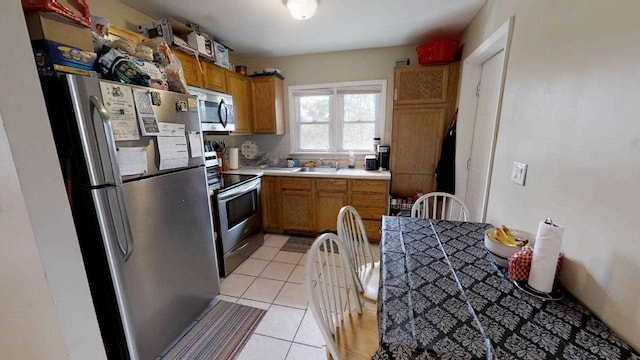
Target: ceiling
[265, 28]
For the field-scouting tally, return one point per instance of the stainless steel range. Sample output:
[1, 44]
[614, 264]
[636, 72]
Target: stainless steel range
[238, 216]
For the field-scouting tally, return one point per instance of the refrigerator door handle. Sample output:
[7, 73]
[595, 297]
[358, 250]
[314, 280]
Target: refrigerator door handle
[110, 161]
[104, 123]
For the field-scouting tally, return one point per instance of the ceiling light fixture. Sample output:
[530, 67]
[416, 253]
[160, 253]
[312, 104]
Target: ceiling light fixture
[302, 9]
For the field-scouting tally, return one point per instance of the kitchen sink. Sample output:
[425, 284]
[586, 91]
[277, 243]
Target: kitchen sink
[282, 169]
[319, 169]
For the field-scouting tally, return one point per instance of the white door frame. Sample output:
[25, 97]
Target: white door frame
[468, 103]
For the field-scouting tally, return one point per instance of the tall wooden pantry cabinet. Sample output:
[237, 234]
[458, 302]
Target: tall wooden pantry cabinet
[423, 105]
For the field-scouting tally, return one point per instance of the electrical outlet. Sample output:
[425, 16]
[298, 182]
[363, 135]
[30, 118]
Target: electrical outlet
[518, 173]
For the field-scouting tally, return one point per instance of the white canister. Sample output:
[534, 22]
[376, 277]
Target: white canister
[233, 158]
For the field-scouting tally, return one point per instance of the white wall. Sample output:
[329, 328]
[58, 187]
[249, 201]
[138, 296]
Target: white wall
[28, 313]
[38, 321]
[571, 111]
[356, 65]
[118, 13]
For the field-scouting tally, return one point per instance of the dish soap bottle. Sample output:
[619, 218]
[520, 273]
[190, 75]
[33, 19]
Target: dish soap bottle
[352, 160]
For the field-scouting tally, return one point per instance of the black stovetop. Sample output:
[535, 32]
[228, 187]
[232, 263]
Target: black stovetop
[228, 181]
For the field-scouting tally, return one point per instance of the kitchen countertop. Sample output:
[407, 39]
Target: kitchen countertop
[341, 173]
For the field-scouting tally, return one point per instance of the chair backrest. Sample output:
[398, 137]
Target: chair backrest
[440, 205]
[352, 234]
[330, 287]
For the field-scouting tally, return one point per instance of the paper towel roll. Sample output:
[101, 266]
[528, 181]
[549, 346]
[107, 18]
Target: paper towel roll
[233, 158]
[545, 256]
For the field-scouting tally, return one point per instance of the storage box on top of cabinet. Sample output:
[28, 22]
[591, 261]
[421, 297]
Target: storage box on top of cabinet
[443, 50]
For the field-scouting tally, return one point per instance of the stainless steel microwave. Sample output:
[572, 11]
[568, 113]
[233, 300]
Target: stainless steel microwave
[215, 110]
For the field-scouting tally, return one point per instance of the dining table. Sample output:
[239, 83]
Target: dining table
[442, 296]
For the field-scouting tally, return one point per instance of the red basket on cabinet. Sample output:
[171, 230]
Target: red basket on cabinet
[437, 51]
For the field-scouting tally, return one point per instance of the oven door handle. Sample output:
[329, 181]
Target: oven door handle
[242, 189]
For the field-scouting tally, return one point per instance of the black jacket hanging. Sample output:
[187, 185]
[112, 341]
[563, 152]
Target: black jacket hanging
[446, 169]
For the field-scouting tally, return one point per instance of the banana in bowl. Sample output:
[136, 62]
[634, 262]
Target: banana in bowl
[502, 243]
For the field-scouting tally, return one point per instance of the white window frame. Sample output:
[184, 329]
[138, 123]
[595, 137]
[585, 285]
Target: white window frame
[336, 121]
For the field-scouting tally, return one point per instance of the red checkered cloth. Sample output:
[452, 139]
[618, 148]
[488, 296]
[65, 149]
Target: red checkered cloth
[520, 264]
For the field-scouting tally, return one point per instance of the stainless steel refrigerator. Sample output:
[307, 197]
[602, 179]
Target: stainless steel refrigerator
[146, 238]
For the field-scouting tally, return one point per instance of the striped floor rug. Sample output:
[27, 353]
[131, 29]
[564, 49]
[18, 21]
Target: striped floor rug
[299, 244]
[221, 333]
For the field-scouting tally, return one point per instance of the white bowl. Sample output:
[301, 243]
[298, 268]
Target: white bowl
[501, 252]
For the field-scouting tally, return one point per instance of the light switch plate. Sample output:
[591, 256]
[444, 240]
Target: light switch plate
[518, 173]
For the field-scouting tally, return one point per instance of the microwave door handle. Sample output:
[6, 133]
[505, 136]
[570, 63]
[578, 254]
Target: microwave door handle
[105, 123]
[222, 105]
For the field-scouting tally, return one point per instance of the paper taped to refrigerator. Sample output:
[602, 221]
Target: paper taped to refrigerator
[132, 160]
[195, 144]
[146, 115]
[171, 129]
[173, 152]
[118, 100]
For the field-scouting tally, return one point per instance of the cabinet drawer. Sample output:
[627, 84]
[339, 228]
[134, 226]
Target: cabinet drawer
[295, 183]
[377, 201]
[331, 184]
[370, 186]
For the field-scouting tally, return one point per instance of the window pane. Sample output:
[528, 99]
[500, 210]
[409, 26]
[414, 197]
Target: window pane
[314, 136]
[360, 107]
[314, 108]
[358, 136]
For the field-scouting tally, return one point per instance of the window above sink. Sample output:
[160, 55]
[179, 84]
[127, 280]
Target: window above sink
[336, 118]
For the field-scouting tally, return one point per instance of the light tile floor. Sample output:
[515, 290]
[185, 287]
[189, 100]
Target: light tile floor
[272, 280]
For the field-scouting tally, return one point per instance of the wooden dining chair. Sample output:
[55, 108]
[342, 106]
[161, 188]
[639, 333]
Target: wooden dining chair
[352, 234]
[348, 327]
[440, 205]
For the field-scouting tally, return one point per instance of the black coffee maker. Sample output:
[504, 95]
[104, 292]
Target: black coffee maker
[383, 156]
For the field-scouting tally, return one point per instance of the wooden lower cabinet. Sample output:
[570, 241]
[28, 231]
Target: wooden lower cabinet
[330, 196]
[270, 201]
[371, 199]
[297, 204]
[310, 206]
[297, 210]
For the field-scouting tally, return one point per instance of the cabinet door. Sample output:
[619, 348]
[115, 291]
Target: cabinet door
[239, 87]
[271, 204]
[416, 141]
[331, 196]
[297, 210]
[267, 105]
[421, 84]
[214, 77]
[371, 199]
[190, 67]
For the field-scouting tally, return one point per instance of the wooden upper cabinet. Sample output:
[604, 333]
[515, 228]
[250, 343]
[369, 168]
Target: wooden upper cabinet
[190, 67]
[267, 100]
[418, 134]
[214, 77]
[424, 103]
[239, 87]
[420, 84]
